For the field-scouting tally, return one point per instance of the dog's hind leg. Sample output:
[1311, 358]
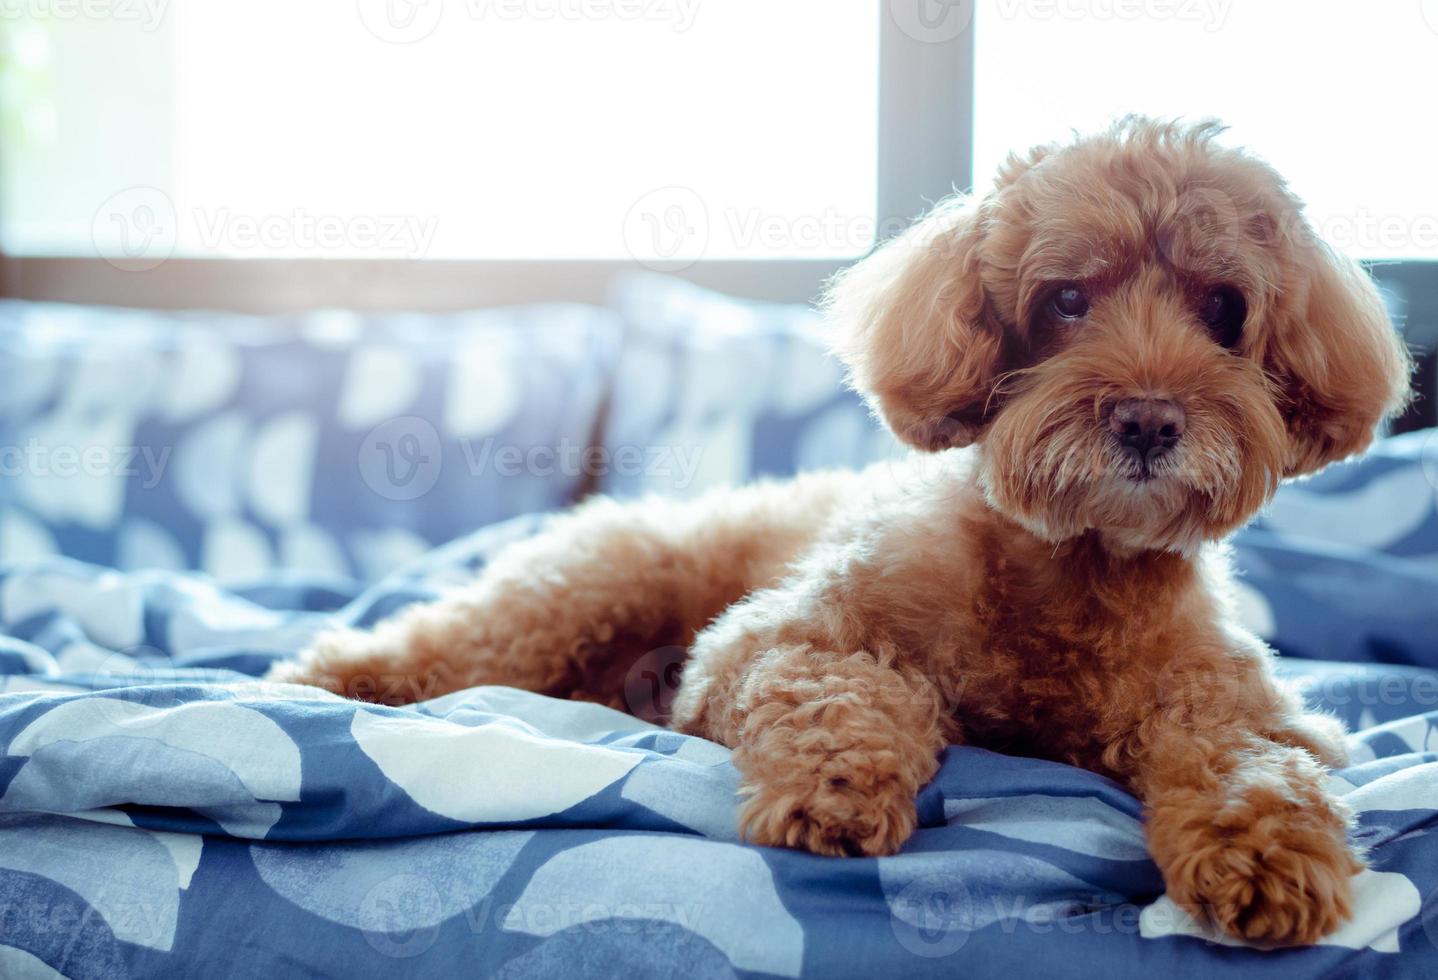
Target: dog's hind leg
[556, 613]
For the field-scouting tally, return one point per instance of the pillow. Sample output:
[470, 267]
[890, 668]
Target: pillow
[1385, 502]
[713, 391]
[329, 442]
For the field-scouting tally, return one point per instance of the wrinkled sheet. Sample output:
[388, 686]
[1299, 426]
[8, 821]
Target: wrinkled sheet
[163, 813]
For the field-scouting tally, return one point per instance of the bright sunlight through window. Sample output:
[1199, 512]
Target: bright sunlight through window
[1332, 93]
[662, 129]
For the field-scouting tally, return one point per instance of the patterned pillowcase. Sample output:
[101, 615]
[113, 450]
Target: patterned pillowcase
[330, 442]
[1386, 501]
[714, 391]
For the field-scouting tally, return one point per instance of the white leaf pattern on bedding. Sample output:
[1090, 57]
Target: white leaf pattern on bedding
[1415, 788]
[628, 877]
[16, 964]
[104, 750]
[202, 376]
[234, 549]
[1374, 515]
[579, 721]
[390, 887]
[490, 772]
[976, 888]
[142, 543]
[282, 468]
[129, 876]
[381, 382]
[23, 537]
[484, 388]
[208, 466]
[76, 491]
[106, 607]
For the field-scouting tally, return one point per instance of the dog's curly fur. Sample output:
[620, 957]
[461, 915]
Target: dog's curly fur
[1042, 592]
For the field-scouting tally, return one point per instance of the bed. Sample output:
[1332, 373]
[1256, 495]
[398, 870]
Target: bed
[163, 813]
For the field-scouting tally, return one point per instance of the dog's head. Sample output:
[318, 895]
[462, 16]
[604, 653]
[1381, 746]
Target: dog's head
[1140, 330]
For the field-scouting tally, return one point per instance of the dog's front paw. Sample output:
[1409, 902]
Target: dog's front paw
[836, 816]
[1269, 873]
[1276, 896]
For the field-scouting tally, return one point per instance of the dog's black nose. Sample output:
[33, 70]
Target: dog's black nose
[1148, 426]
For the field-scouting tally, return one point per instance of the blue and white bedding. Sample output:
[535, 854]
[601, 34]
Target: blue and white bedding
[162, 813]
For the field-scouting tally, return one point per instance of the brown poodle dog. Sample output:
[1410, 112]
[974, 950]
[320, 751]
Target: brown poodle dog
[1140, 336]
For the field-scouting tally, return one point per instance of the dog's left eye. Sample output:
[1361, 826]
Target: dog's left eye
[1069, 302]
[1222, 308]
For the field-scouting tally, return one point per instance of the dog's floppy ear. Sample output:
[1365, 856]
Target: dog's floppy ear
[915, 332]
[1337, 360]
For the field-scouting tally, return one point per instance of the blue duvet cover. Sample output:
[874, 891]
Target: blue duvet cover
[163, 814]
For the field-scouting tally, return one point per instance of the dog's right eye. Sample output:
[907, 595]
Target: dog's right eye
[1222, 308]
[1069, 302]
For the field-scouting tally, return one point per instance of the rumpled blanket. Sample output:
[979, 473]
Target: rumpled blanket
[163, 813]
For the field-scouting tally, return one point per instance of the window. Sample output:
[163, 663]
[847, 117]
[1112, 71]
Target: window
[1331, 93]
[665, 130]
[442, 153]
